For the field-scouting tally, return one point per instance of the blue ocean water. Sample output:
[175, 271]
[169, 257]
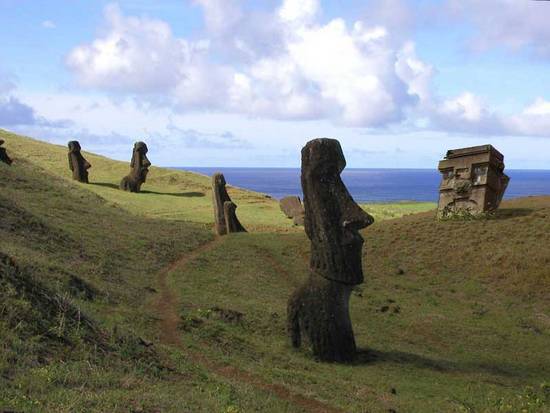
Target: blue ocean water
[373, 185]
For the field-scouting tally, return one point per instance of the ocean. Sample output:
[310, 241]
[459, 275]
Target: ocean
[373, 185]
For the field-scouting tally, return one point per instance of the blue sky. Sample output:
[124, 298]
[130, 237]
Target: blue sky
[241, 83]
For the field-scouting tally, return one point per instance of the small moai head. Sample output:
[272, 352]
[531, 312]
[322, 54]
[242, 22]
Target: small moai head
[232, 223]
[4, 154]
[77, 164]
[332, 218]
[74, 146]
[140, 163]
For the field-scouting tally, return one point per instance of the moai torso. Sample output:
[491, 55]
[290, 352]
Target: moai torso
[139, 169]
[472, 181]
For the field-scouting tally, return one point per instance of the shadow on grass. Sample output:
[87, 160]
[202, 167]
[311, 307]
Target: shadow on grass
[507, 213]
[373, 356]
[191, 194]
[105, 184]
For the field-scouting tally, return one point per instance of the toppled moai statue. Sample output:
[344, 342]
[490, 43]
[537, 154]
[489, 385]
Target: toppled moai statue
[473, 181]
[320, 308]
[4, 155]
[77, 164]
[292, 207]
[225, 218]
[140, 168]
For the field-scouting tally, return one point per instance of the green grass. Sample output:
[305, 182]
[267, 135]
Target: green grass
[454, 316]
[170, 193]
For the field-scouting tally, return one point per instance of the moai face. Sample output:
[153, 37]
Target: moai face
[332, 218]
[4, 155]
[139, 163]
[74, 146]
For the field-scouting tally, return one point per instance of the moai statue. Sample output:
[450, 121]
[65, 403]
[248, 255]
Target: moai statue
[4, 155]
[320, 308]
[77, 164]
[292, 207]
[225, 219]
[473, 180]
[140, 167]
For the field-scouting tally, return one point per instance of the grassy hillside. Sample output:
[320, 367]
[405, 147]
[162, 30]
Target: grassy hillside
[170, 193]
[120, 303]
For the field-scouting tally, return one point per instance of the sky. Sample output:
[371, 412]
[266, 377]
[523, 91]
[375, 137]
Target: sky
[248, 83]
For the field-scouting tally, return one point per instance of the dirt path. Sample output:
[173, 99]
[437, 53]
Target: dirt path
[167, 306]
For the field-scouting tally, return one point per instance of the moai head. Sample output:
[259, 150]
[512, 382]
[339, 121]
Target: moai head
[332, 218]
[4, 155]
[473, 180]
[77, 164]
[232, 223]
[139, 163]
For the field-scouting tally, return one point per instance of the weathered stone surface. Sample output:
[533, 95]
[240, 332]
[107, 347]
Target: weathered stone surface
[77, 164]
[292, 207]
[232, 224]
[4, 155]
[473, 180]
[320, 308]
[223, 223]
[139, 169]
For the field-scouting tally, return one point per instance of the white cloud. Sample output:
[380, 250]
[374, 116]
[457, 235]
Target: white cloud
[291, 68]
[48, 24]
[299, 11]
[287, 65]
[514, 24]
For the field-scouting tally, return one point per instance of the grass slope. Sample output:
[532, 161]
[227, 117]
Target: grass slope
[170, 193]
[454, 316]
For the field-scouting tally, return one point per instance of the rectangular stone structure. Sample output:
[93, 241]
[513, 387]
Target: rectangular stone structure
[473, 180]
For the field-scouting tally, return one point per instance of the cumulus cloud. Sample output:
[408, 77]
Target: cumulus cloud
[291, 68]
[286, 64]
[510, 23]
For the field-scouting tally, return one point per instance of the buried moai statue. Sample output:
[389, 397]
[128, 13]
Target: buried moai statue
[140, 167]
[319, 309]
[473, 181]
[225, 218]
[292, 207]
[4, 155]
[77, 164]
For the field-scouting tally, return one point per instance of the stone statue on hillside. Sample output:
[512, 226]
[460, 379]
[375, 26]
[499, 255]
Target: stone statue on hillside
[225, 218]
[4, 155]
[473, 181]
[319, 309]
[77, 164]
[292, 207]
[140, 167]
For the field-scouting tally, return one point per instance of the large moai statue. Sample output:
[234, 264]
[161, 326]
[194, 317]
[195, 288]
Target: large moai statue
[473, 180]
[225, 218]
[139, 168]
[4, 155]
[319, 309]
[292, 207]
[77, 164]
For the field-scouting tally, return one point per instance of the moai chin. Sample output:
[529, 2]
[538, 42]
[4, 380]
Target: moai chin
[473, 180]
[225, 218]
[320, 308]
[77, 163]
[139, 169]
[4, 154]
